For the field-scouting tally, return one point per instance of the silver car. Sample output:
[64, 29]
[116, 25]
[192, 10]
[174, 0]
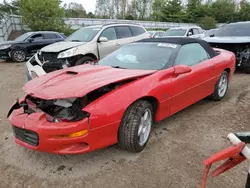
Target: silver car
[193, 31]
[85, 45]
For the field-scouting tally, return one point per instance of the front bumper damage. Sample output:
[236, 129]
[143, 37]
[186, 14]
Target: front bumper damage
[5, 54]
[33, 130]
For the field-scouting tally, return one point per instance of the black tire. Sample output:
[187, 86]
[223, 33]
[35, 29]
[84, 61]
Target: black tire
[128, 138]
[18, 55]
[84, 60]
[216, 96]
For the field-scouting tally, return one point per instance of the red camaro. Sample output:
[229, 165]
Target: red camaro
[118, 99]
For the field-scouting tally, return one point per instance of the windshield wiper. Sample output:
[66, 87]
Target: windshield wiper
[118, 67]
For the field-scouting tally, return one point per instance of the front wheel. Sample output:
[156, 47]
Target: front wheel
[135, 128]
[18, 55]
[84, 60]
[221, 87]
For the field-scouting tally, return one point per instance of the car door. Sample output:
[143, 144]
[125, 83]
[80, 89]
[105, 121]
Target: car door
[111, 45]
[191, 87]
[196, 33]
[35, 43]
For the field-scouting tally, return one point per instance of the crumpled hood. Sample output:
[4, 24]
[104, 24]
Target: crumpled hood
[227, 39]
[61, 46]
[78, 81]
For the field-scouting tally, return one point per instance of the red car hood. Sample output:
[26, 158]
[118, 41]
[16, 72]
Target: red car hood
[78, 81]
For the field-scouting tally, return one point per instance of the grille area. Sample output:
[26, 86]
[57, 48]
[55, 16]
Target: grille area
[48, 56]
[26, 136]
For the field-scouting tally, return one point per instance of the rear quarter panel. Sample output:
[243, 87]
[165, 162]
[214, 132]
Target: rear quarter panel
[225, 60]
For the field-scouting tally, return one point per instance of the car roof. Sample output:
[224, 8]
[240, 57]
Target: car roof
[189, 27]
[36, 32]
[236, 23]
[182, 41]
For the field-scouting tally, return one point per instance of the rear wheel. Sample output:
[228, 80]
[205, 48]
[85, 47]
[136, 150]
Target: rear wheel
[135, 128]
[221, 87]
[84, 60]
[18, 55]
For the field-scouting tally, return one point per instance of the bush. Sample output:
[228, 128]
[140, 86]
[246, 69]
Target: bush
[207, 22]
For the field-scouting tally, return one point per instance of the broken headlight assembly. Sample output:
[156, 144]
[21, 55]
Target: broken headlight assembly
[67, 53]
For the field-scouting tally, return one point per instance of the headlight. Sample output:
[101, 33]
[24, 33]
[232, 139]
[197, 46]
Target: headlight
[3, 47]
[67, 53]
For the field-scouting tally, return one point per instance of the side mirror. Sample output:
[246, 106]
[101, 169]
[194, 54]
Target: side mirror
[182, 69]
[30, 40]
[103, 39]
[211, 35]
[189, 33]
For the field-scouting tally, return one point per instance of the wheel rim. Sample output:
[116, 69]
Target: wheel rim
[19, 55]
[222, 86]
[145, 127]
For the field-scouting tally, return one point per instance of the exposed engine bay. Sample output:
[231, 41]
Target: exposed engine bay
[67, 110]
[241, 51]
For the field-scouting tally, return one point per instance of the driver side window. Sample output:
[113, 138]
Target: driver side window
[37, 37]
[109, 33]
[191, 54]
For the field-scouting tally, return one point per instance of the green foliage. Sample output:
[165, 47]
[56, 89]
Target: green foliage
[207, 22]
[45, 15]
[173, 11]
[75, 10]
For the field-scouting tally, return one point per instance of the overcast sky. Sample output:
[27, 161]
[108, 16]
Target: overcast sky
[89, 5]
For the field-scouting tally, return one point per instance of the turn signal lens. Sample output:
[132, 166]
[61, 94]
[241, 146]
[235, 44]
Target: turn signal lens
[73, 135]
[33, 74]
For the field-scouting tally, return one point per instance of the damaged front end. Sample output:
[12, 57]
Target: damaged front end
[60, 110]
[241, 51]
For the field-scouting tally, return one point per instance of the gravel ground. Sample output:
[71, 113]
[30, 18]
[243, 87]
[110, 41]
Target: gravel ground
[173, 157]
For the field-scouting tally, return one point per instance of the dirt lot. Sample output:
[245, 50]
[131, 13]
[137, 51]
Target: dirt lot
[173, 157]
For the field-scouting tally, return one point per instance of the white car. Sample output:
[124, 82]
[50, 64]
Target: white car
[194, 31]
[85, 45]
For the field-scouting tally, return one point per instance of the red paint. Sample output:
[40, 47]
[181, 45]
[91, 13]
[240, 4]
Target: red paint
[172, 91]
[233, 157]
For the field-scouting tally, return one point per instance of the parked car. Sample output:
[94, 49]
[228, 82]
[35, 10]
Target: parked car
[28, 44]
[210, 33]
[234, 37]
[85, 45]
[156, 34]
[194, 31]
[92, 106]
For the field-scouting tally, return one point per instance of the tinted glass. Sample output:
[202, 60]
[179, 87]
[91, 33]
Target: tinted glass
[50, 36]
[109, 33]
[37, 37]
[143, 56]
[136, 30]
[240, 29]
[191, 54]
[175, 32]
[84, 34]
[123, 32]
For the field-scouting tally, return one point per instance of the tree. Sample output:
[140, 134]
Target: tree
[75, 10]
[224, 10]
[207, 22]
[45, 15]
[194, 10]
[244, 11]
[91, 15]
[158, 6]
[173, 11]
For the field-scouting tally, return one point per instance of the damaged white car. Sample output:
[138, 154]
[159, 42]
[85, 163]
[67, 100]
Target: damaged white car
[85, 45]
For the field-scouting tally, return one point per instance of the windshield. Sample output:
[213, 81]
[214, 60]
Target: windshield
[175, 32]
[142, 56]
[237, 30]
[23, 37]
[84, 34]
